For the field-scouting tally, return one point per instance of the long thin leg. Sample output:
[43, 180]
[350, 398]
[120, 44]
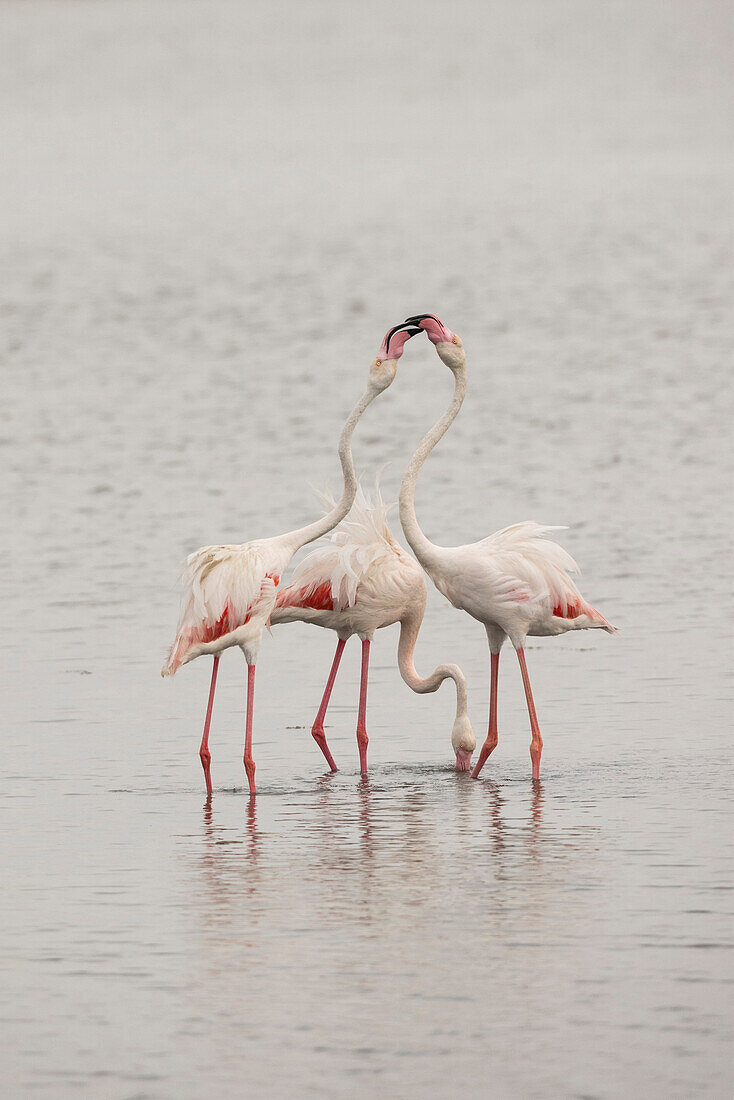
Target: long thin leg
[536, 744]
[362, 738]
[249, 762]
[317, 731]
[205, 755]
[492, 736]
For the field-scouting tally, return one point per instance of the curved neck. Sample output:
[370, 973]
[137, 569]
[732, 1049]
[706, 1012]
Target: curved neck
[409, 629]
[422, 547]
[319, 527]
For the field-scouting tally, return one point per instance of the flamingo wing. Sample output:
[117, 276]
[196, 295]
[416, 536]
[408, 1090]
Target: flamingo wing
[329, 577]
[544, 567]
[222, 589]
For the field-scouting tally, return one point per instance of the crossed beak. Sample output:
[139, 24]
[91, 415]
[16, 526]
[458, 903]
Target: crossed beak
[416, 320]
[393, 337]
[431, 324]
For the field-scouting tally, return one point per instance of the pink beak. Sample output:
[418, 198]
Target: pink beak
[393, 345]
[463, 760]
[436, 330]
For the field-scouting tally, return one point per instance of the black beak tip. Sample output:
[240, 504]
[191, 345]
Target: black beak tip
[400, 328]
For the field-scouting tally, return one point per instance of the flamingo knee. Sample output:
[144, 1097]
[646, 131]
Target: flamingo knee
[206, 763]
[250, 769]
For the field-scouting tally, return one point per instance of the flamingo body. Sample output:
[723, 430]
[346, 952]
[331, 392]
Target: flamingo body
[357, 581]
[229, 592]
[517, 583]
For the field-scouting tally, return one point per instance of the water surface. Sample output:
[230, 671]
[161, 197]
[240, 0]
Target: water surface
[212, 213]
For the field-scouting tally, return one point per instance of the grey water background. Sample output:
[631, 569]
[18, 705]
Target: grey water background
[211, 213]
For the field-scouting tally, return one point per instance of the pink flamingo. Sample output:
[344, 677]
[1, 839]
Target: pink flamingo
[515, 582]
[357, 582]
[229, 591]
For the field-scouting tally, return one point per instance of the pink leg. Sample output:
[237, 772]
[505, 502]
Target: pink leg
[318, 727]
[362, 738]
[536, 744]
[205, 755]
[249, 762]
[492, 736]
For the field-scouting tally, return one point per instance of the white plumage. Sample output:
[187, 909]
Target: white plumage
[225, 589]
[516, 582]
[356, 581]
[229, 591]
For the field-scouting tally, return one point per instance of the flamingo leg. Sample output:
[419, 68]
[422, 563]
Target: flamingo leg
[317, 731]
[204, 754]
[249, 762]
[362, 738]
[492, 736]
[536, 744]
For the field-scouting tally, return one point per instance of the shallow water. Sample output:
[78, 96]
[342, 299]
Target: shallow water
[212, 214]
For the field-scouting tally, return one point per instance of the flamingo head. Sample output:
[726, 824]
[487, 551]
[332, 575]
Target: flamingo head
[448, 345]
[463, 742]
[384, 367]
[463, 760]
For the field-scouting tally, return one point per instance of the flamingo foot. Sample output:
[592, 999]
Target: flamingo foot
[206, 763]
[463, 760]
[320, 738]
[488, 747]
[250, 769]
[536, 749]
[362, 742]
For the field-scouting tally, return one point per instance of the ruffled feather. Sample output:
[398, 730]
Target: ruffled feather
[328, 578]
[222, 589]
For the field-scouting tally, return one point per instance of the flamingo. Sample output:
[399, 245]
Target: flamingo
[516, 582]
[229, 592]
[360, 580]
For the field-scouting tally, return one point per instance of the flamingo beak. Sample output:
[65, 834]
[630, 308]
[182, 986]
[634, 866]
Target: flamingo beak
[409, 330]
[436, 329]
[463, 760]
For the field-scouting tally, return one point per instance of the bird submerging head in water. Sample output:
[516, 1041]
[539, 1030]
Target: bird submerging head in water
[516, 582]
[229, 592]
[359, 580]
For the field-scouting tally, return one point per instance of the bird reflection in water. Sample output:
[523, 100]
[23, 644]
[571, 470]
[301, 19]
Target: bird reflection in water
[214, 835]
[536, 807]
[529, 831]
[365, 820]
[389, 843]
[336, 819]
[220, 859]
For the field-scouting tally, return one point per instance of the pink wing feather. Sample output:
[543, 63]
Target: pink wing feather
[222, 589]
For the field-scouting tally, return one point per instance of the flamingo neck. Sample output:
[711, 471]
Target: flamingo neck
[409, 629]
[425, 550]
[298, 538]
